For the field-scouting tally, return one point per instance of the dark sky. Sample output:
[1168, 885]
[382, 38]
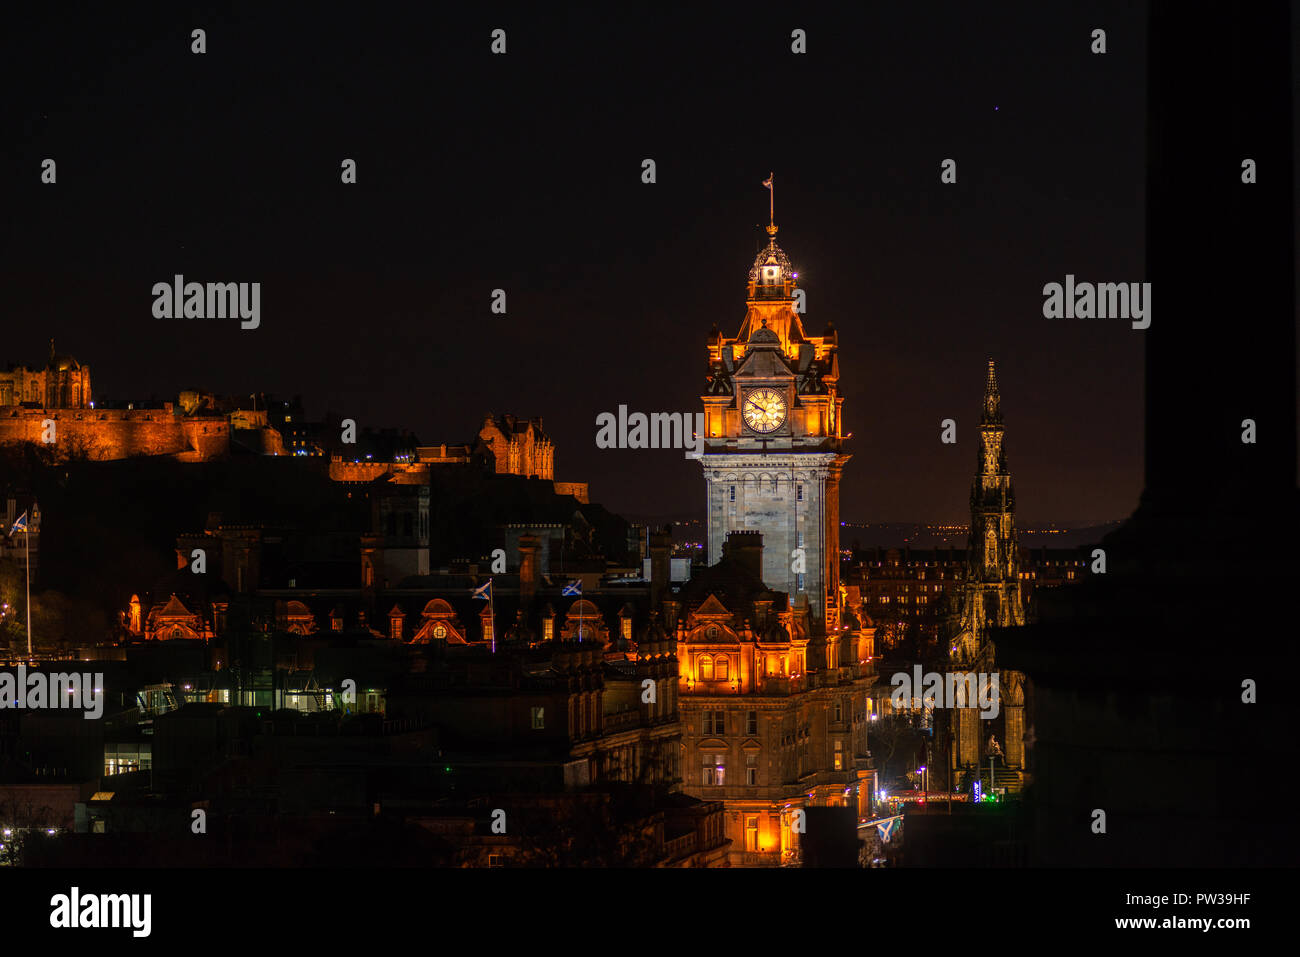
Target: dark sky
[523, 172]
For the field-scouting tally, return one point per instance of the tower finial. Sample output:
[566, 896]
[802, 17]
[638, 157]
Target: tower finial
[51, 347]
[991, 385]
[771, 205]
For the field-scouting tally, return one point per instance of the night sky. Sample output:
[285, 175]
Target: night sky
[523, 172]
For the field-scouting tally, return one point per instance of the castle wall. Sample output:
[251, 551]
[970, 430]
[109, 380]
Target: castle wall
[118, 433]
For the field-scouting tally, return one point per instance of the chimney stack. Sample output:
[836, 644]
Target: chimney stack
[747, 549]
[661, 565]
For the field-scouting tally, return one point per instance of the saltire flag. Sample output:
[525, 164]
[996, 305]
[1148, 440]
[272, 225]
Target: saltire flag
[573, 588]
[484, 591]
[20, 524]
[886, 829]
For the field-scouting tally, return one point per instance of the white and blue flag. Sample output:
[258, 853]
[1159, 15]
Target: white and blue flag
[484, 591]
[574, 588]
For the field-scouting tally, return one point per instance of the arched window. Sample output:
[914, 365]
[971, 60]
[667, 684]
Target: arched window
[706, 667]
[720, 668]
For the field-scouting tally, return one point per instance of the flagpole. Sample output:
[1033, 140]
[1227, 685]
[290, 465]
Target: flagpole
[27, 545]
[492, 618]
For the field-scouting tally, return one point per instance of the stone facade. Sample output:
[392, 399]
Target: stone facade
[990, 596]
[103, 434]
[520, 446]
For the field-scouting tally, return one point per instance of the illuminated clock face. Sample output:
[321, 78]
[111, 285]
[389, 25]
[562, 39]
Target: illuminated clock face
[440, 630]
[764, 410]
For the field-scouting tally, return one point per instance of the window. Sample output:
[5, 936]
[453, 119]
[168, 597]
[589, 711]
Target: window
[539, 718]
[720, 668]
[751, 832]
[839, 709]
[715, 722]
[799, 492]
[548, 629]
[627, 628]
[733, 493]
[751, 723]
[494, 860]
[396, 629]
[706, 667]
[839, 754]
[751, 769]
[714, 770]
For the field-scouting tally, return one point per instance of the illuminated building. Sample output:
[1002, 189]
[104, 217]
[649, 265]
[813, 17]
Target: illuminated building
[60, 393]
[772, 458]
[774, 715]
[64, 383]
[519, 446]
[774, 667]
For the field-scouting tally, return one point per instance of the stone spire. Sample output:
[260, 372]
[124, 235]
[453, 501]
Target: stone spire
[992, 399]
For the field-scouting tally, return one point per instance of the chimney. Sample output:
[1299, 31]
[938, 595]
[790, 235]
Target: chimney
[747, 550]
[661, 565]
[529, 545]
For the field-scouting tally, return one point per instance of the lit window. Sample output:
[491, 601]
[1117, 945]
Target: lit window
[548, 629]
[706, 667]
[751, 832]
[720, 668]
[539, 718]
[714, 770]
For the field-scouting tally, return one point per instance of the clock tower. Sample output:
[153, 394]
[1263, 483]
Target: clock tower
[772, 445]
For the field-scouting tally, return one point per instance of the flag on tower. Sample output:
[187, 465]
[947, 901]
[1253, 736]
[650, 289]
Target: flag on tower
[484, 591]
[574, 588]
[768, 182]
[20, 524]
